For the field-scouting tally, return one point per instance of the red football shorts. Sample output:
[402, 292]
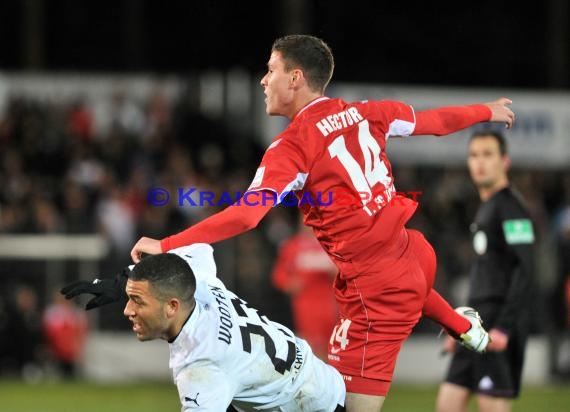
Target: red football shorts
[378, 311]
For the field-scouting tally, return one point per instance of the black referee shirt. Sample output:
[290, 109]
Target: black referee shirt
[502, 271]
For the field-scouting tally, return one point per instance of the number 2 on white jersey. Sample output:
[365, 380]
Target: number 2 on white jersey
[254, 325]
[375, 171]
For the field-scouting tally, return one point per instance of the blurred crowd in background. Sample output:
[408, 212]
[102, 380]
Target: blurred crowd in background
[62, 174]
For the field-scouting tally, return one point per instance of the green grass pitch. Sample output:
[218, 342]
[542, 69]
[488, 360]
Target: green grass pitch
[162, 397]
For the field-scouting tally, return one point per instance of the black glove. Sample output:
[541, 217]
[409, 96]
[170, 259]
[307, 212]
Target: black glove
[105, 290]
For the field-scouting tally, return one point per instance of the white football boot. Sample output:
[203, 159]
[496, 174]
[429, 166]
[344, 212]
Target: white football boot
[476, 338]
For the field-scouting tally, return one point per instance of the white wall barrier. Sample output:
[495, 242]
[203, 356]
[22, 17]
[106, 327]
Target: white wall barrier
[120, 357]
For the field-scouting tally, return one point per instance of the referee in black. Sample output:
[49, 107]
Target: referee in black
[501, 286]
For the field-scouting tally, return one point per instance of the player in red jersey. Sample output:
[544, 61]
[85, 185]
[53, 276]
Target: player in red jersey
[331, 146]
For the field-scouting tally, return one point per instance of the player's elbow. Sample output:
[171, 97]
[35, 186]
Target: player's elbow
[250, 216]
[250, 222]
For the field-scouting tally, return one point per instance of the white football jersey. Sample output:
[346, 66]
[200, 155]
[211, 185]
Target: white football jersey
[227, 352]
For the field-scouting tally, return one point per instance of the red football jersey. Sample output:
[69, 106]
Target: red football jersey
[332, 156]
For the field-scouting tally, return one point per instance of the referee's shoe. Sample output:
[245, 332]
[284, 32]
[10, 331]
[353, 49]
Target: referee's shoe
[476, 338]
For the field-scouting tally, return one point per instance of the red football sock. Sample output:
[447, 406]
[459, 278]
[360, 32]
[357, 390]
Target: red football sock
[437, 309]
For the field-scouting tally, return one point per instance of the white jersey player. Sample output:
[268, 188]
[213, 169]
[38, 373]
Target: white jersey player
[222, 351]
[227, 352]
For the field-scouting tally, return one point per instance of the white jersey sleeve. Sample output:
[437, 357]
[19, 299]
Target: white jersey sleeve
[200, 257]
[205, 388]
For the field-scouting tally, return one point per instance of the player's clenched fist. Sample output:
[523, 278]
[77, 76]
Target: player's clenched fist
[145, 245]
[500, 112]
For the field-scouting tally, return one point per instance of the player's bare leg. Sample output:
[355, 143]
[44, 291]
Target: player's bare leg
[452, 398]
[356, 402]
[493, 404]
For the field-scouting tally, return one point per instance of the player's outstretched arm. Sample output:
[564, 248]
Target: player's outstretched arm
[106, 291]
[450, 119]
[232, 221]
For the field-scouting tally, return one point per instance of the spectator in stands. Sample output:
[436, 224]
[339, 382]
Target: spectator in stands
[80, 121]
[24, 346]
[65, 329]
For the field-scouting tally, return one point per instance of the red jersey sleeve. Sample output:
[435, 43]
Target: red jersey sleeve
[230, 222]
[398, 118]
[401, 120]
[446, 120]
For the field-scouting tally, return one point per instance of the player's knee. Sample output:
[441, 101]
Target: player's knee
[363, 403]
[449, 404]
[447, 407]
